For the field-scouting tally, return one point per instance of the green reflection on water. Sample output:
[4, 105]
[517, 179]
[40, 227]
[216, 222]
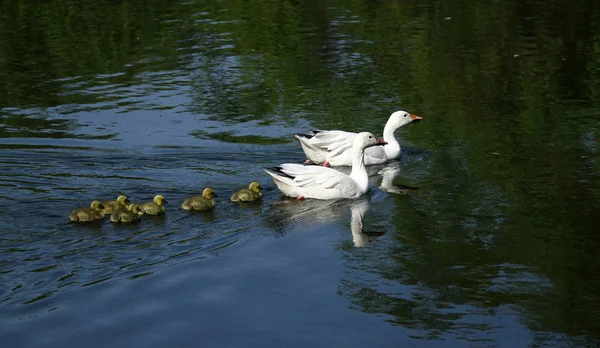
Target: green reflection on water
[509, 92]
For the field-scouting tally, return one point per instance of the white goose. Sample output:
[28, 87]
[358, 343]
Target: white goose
[334, 147]
[310, 181]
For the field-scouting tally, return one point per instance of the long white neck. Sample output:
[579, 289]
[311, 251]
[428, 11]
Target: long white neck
[359, 172]
[392, 149]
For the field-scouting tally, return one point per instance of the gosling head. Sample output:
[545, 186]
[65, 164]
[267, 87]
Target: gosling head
[97, 206]
[209, 193]
[134, 208]
[255, 186]
[160, 200]
[123, 200]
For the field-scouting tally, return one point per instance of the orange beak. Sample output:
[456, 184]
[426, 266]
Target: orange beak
[415, 117]
[381, 142]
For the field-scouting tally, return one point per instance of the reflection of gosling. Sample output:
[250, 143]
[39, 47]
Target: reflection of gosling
[129, 214]
[111, 206]
[203, 202]
[94, 212]
[153, 208]
[252, 193]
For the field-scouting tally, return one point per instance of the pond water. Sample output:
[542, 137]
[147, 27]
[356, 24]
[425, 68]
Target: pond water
[495, 244]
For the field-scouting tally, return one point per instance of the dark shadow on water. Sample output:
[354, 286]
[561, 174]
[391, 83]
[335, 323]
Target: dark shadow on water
[205, 216]
[255, 207]
[89, 226]
[125, 226]
[155, 218]
[157, 221]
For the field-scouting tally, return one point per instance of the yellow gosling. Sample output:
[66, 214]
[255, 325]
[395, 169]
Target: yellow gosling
[204, 202]
[250, 194]
[93, 213]
[131, 214]
[112, 206]
[153, 208]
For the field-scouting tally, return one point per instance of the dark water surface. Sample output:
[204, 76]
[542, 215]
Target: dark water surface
[497, 247]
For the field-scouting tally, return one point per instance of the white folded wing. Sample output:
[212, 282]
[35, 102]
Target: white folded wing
[336, 142]
[335, 147]
[313, 181]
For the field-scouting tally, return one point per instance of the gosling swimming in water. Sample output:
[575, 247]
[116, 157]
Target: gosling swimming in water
[153, 208]
[129, 214]
[204, 202]
[252, 193]
[94, 212]
[112, 206]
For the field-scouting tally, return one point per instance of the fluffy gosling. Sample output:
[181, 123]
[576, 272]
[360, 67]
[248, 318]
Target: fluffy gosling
[131, 214]
[93, 213]
[204, 202]
[112, 206]
[250, 194]
[153, 208]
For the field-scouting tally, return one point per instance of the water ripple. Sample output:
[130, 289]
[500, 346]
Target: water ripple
[87, 255]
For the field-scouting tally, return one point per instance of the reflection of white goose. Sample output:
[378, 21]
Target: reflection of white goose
[388, 174]
[335, 147]
[358, 210]
[324, 212]
[312, 212]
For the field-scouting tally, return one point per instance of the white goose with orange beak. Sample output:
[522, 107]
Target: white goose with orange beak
[310, 181]
[335, 147]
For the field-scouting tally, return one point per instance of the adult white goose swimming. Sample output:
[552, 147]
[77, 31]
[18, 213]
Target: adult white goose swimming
[334, 147]
[311, 181]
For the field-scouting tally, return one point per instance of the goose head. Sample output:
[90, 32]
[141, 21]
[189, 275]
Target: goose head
[208, 193]
[402, 118]
[255, 186]
[160, 200]
[123, 200]
[96, 206]
[365, 140]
